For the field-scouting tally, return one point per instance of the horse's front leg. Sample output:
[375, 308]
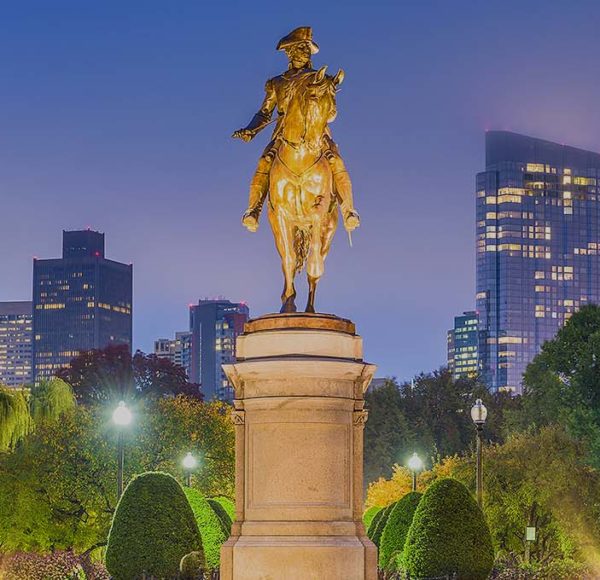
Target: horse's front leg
[315, 265]
[284, 241]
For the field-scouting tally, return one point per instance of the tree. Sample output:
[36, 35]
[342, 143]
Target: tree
[112, 374]
[378, 524]
[562, 383]
[370, 514]
[394, 534]
[58, 487]
[15, 419]
[152, 530]
[429, 415]
[211, 528]
[387, 431]
[50, 399]
[449, 535]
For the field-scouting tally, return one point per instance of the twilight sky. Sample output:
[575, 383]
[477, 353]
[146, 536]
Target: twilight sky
[117, 115]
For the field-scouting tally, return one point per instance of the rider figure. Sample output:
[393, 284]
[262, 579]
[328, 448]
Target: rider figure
[298, 46]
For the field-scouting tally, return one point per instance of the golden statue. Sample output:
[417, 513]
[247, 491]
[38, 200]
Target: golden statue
[300, 170]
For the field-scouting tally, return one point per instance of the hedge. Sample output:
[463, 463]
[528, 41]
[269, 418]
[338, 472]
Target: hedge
[152, 529]
[391, 545]
[228, 506]
[449, 535]
[380, 524]
[370, 514]
[222, 515]
[212, 530]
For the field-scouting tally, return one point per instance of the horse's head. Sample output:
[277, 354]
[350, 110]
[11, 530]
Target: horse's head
[311, 107]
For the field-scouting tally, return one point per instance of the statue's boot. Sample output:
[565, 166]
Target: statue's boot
[258, 193]
[343, 188]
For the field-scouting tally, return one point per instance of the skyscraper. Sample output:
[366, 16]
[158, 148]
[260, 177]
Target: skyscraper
[538, 245]
[16, 321]
[463, 346]
[177, 350]
[215, 325]
[81, 301]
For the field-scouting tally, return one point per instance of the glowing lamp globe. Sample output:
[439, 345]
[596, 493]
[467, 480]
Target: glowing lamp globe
[478, 412]
[415, 463]
[189, 461]
[122, 415]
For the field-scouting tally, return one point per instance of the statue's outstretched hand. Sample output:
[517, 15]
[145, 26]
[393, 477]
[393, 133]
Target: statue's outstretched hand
[243, 134]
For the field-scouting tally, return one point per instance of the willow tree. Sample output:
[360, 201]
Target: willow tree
[49, 399]
[20, 410]
[15, 418]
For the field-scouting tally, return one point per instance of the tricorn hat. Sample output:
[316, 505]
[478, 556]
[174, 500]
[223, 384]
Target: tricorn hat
[301, 34]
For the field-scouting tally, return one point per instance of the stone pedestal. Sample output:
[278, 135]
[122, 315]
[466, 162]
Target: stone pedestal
[299, 416]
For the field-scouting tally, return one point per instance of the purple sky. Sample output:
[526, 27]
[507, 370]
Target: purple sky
[117, 115]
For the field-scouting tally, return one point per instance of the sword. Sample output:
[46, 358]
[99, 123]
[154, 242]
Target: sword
[350, 237]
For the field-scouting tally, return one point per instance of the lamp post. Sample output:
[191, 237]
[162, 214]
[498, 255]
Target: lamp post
[189, 464]
[479, 415]
[415, 464]
[121, 418]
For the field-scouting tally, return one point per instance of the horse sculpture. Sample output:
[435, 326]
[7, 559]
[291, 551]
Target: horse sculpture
[302, 203]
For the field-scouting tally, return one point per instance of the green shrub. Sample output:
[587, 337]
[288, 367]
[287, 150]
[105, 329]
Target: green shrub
[152, 529]
[228, 506]
[369, 515]
[192, 566]
[211, 528]
[380, 526]
[391, 545]
[374, 523]
[449, 535]
[222, 515]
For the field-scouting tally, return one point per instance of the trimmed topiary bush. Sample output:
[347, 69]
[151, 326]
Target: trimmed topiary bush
[391, 545]
[369, 515]
[211, 528]
[380, 525]
[192, 566]
[222, 515]
[449, 535]
[152, 530]
[374, 523]
[228, 506]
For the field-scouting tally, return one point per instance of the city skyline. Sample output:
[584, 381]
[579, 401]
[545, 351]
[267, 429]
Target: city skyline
[130, 135]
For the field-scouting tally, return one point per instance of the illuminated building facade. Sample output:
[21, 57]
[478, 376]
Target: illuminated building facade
[463, 346]
[177, 350]
[215, 325]
[538, 245]
[16, 333]
[81, 301]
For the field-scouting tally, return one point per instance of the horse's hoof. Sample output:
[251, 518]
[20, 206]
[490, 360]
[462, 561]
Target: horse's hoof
[288, 306]
[310, 309]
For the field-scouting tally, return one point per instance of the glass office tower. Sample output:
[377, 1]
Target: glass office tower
[215, 326]
[81, 301]
[16, 322]
[463, 346]
[538, 212]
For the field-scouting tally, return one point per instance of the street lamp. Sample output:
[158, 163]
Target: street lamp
[189, 464]
[121, 418]
[479, 415]
[415, 464]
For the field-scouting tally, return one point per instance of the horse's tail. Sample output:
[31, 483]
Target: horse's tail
[301, 246]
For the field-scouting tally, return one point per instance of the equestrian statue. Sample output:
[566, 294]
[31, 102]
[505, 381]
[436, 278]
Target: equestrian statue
[300, 173]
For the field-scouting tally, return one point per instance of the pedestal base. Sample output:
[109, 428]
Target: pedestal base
[299, 413]
[299, 558]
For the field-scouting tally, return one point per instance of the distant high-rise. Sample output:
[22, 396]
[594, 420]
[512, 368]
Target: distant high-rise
[215, 325]
[538, 246]
[81, 301]
[16, 321]
[463, 346]
[177, 350]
